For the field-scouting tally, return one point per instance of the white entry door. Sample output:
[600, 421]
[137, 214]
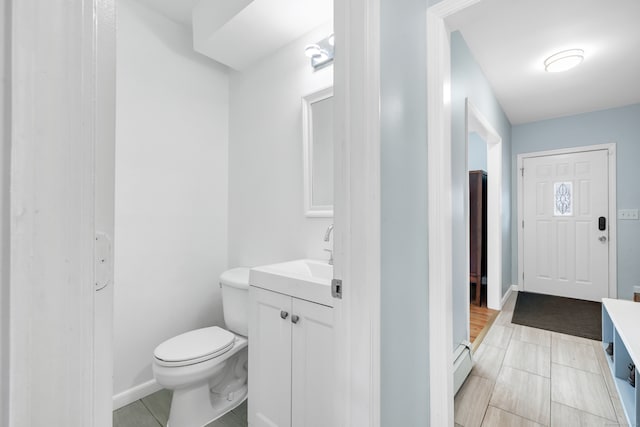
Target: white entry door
[566, 225]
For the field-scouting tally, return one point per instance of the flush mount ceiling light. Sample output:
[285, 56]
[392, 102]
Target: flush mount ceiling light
[320, 53]
[563, 61]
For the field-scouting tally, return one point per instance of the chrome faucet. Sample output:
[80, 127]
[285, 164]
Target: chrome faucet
[327, 236]
[330, 261]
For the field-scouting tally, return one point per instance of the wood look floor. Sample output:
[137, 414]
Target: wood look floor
[479, 319]
[531, 377]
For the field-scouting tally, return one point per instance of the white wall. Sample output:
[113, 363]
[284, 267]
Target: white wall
[171, 189]
[5, 159]
[266, 210]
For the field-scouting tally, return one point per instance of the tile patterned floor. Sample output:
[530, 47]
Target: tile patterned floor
[525, 377]
[153, 411]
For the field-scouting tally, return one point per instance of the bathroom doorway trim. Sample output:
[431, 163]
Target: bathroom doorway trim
[440, 209]
[357, 212]
[62, 141]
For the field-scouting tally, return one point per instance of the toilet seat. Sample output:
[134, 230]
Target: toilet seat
[194, 347]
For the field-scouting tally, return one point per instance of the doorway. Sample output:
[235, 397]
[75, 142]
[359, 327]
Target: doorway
[484, 149]
[480, 316]
[566, 208]
[483, 214]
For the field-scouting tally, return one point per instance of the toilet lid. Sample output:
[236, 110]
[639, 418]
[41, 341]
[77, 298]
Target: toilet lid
[200, 344]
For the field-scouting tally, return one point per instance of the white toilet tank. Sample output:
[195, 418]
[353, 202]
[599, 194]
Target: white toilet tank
[235, 299]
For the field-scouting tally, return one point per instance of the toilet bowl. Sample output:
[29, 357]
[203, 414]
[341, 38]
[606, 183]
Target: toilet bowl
[207, 368]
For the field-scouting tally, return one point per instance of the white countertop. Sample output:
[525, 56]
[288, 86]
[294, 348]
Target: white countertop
[306, 279]
[625, 316]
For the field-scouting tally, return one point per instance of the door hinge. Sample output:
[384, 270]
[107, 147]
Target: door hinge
[103, 268]
[523, 223]
[522, 171]
[336, 288]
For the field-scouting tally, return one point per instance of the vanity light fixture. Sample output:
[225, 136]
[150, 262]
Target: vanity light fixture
[320, 53]
[312, 50]
[563, 61]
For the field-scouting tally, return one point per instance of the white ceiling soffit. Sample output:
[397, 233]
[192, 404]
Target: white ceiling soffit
[511, 39]
[177, 10]
[239, 32]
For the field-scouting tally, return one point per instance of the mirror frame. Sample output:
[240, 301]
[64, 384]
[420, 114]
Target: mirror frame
[311, 210]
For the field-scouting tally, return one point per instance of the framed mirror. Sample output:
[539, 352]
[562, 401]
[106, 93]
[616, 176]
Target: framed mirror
[317, 138]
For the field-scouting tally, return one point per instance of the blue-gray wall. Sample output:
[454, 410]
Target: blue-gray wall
[619, 125]
[404, 294]
[468, 81]
[477, 152]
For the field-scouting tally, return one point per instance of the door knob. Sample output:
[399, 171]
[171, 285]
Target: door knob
[284, 314]
[602, 238]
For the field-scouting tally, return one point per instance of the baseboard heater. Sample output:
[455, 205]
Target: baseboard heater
[462, 364]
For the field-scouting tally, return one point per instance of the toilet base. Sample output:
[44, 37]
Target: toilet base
[205, 391]
[198, 407]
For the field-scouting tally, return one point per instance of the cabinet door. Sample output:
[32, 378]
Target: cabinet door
[312, 369]
[269, 359]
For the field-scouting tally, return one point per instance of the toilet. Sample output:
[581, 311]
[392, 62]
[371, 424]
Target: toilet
[207, 368]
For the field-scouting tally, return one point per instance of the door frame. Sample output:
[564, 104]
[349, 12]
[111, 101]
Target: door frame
[611, 149]
[104, 199]
[357, 198]
[65, 98]
[5, 223]
[477, 122]
[440, 224]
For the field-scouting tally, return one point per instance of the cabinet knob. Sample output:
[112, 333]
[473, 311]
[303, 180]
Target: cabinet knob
[284, 314]
[295, 319]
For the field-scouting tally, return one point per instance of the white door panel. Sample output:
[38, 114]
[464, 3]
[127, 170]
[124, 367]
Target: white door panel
[565, 253]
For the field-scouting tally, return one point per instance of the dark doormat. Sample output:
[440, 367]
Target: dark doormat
[565, 315]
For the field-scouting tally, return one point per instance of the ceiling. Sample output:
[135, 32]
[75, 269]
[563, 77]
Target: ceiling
[238, 33]
[511, 39]
[177, 10]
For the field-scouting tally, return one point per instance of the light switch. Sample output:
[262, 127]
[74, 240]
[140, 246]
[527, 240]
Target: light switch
[628, 214]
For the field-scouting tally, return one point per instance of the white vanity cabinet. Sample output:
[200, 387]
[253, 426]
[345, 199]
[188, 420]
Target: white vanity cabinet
[290, 361]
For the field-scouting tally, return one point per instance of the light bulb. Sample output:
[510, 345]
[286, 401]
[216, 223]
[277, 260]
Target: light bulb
[312, 50]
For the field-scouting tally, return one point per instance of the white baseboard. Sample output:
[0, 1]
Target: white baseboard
[512, 288]
[134, 393]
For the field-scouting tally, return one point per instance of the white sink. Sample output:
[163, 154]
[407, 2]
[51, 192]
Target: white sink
[307, 279]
